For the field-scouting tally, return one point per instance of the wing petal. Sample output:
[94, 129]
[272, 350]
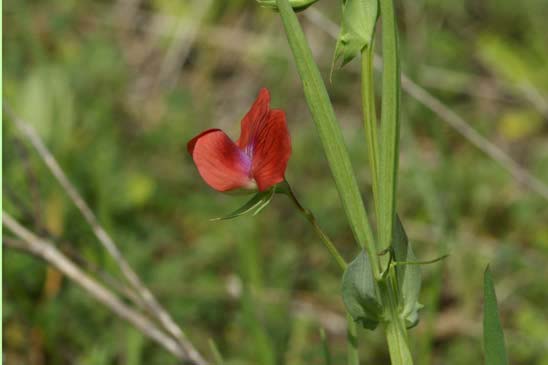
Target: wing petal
[220, 162]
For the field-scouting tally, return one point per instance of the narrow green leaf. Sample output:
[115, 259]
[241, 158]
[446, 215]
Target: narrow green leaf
[359, 292]
[297, 341]
[216, 353]
[325, 348]
[329, 131]
[493, 336]
[409, 276]
[257, 202]
[357, 27]
[135, 347]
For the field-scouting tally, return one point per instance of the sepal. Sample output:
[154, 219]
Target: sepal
[253, 206]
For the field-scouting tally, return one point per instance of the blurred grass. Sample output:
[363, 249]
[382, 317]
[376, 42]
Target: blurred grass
[85, 75]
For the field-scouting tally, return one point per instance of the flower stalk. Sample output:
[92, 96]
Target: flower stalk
[286, 188]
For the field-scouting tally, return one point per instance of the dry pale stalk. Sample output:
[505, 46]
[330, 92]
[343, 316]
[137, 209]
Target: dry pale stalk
[446, 114]
[142, 291]
[30, 243]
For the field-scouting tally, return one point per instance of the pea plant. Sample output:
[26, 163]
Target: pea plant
[381, 285]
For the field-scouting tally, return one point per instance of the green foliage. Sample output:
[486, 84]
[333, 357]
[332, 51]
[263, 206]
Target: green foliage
[359, 292]
[359, 18]
[125, 152]
[409, 276]
[216, 353]
[493, 335]
[257, 203]
[297, 5]
[326, 350]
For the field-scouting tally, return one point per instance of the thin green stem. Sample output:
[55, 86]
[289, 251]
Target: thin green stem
[325, 348]
[426, 262]
[353, 357]
[389, 123]
[312, 220]
[370, 119]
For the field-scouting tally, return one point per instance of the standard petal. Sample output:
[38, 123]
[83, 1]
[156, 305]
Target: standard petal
[257, 114]
[220, 162]
[271, 147]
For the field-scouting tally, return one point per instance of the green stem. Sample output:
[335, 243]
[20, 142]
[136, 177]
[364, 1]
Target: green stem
[394, 325]
[353, 357]
[370, 119]
[330, 133]
[426, 262]
[395, 328]
[389, 123]
[312, 220]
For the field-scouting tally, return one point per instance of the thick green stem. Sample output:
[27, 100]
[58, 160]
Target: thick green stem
[394, 325]
[330, 133]
[389, 124]
[384, 166]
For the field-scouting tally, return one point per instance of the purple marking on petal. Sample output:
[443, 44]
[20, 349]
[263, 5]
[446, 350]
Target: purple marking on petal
[248, 150]
[245, 159]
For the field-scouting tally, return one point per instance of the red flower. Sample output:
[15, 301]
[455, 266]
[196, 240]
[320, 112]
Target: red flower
[258, 158]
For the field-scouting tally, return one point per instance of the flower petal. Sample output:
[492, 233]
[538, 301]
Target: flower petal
[256, 115]
[271, 147]
[220, 162]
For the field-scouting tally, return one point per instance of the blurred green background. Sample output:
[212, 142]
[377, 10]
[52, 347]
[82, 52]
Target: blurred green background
[116, 88]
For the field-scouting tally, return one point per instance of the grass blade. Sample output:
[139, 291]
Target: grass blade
[493, 336]
[216, 353]
[325, 348]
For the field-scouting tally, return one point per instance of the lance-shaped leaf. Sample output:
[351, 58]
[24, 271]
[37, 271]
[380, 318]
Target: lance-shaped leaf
[358, 26]
[359, 293]
[254, 205]
[493, 336]
[409, 276]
